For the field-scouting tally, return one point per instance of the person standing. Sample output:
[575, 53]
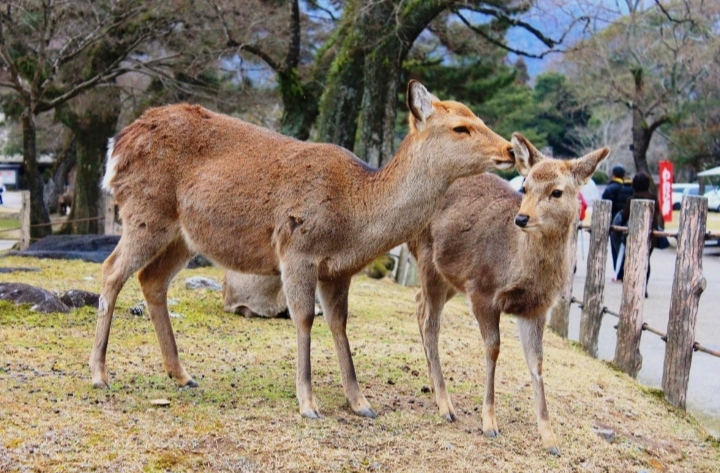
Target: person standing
[641, 190]
[617, 191]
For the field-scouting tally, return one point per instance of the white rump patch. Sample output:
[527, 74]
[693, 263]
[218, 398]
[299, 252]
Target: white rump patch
[110, 164]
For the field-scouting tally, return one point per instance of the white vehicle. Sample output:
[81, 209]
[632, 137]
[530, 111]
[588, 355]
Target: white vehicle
[713, 198]
[680, 190]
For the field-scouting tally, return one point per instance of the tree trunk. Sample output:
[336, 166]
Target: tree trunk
[641, 134]
[393, 28]
[92, 126]
[340, 103]
[379, 103]
[33, 180]
[300, 105]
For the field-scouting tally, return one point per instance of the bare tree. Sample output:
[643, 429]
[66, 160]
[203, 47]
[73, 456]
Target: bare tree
[649, 60]
[40, 40]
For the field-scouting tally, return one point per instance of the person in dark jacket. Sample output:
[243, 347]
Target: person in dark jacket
[617, 191]
[641, 188]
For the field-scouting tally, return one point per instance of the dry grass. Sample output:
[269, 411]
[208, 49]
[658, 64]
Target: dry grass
[244, 416]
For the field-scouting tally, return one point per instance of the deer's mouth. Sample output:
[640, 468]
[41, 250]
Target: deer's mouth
[503, 165]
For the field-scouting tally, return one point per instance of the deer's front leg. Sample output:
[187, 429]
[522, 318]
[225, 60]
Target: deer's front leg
[299, 282]
[489, 321]
[334, 299]
[531, 334]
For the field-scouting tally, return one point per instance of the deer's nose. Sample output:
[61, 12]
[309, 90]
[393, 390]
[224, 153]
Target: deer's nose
[521, 220]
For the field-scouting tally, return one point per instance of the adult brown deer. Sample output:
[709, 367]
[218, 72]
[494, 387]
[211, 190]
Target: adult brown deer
[508, 253]
[189, 180]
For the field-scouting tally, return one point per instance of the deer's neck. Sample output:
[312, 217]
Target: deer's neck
[401, 198]
[546, 260]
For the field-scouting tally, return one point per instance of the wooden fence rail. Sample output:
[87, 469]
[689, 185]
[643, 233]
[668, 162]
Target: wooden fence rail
[688, 285]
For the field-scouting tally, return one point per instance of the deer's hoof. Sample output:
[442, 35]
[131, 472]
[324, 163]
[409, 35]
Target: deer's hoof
[450, 416]
[491, 433]
[100, 384]
[553, 451]
[366, 412]
[191, 383]
[311, 414]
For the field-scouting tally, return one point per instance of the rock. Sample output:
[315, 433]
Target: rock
[76, 298]
[607, 434]
[199, 282]
[44, 301]
[18, 270]
[199, 261]
[90, 248]
[160, 402]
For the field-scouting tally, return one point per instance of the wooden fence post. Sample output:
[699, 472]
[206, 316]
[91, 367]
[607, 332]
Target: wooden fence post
[594, 292]
[560, 313]
[688, 285]
[627, 350]
[109, 214]
[24, 220]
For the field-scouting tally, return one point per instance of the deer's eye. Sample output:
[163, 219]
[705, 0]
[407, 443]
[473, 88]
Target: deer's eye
[556, 193]
[522, 190]
[461, 129]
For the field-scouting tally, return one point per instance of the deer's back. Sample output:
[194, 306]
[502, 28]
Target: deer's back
[230, 184]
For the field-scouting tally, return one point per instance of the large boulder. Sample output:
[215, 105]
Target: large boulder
[42, 300]
[76, 298]
[254, 295]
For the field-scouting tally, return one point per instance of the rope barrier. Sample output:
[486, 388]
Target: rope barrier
[663, 336]
[89, 219]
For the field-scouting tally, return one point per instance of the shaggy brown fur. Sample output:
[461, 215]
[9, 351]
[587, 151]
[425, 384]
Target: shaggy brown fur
[189, 180]
[508, 253]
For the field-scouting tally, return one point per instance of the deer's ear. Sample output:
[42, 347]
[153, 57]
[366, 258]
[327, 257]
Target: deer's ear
[419, 101]
[526, 155]
[583, 168]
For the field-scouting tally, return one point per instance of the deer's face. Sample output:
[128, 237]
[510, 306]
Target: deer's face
[457, 137]
[549, 198]
[551, 187]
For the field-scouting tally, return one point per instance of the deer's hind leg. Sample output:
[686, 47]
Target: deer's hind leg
[489, 320]
[154, 280]
[431, 299]
[334, 299]
[134, 250]
[531, 335]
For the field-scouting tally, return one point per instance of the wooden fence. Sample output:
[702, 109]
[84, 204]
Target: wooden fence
[108, 217]
[688, 285]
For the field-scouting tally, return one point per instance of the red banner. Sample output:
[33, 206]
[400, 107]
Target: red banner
[665, 190]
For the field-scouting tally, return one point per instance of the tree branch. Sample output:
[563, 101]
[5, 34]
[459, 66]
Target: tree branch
[659, 122]
[262, 55]
[498, 43]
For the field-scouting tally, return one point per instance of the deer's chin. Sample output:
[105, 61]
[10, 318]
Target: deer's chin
[504, 165]
[530, 228]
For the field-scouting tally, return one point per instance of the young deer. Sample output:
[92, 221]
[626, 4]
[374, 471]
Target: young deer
[509, 253]
[189, 180]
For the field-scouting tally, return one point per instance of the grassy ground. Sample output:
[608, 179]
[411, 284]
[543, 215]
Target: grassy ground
[244, 417]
